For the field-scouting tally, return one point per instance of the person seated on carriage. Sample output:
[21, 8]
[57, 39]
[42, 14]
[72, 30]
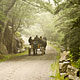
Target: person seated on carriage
[36, 38]
[40, 41]
[43, 42]
[30, 40]
[45, 38]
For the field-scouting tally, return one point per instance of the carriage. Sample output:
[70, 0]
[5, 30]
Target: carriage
[36, 49]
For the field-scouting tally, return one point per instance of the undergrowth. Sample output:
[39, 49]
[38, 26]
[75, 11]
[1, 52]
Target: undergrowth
[55, 66]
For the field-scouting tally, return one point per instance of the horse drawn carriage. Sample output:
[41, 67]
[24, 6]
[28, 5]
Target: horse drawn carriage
[34, 51]
[37, 47]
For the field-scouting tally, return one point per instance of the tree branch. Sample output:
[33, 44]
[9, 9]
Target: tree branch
[18, 26]
[42, 5]
[13, 2]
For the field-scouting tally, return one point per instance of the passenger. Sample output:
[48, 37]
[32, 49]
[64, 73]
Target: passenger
[36, 38]
[30, 40]
[44, 42]
[40, 40]
[41, 37]
[45, 38]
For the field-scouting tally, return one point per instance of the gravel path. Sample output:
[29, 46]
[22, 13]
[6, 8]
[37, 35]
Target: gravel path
[29, 67]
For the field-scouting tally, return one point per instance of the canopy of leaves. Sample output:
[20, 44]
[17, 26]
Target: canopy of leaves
[68, 20]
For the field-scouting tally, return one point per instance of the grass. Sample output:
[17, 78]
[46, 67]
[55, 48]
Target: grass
[10, 56]
[55, 65]
[76, 64]
[55, 72]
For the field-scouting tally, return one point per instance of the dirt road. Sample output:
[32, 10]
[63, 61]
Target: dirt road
[29, 67]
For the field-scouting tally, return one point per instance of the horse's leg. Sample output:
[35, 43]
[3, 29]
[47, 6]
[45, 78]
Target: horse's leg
[44, 49]
[36, 50]
[29, 51]
[33, 51]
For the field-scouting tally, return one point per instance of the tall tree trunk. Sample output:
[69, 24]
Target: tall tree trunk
[1, 34]
[12, 38]
[5, 22]
[12, 45]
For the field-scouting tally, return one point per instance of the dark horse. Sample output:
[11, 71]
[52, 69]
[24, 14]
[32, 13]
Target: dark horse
[44, 44]
[35, 47]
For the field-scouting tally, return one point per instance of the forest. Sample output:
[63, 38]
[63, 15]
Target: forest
[58, 20]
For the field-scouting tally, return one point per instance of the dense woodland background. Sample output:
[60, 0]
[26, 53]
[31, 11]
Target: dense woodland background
[58, 20]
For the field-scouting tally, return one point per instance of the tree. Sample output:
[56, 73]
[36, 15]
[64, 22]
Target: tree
[15, 15]
[68, 20]
[18, 16]
[5, 8]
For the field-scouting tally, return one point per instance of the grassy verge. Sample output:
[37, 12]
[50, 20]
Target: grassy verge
[55, 65]
[55, 72]
[76, 64]
[10, 56]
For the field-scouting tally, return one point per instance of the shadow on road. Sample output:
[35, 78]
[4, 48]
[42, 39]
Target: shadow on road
[49, 56]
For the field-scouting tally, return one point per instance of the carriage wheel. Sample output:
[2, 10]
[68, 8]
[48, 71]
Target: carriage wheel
[29, 51]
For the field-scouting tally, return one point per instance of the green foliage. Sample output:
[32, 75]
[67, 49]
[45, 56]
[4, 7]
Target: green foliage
[68, 21]
[55, 70]
[76, 64]
[18, 34]
[57, 1]
[15, 15]
[2, 19]
[2, 16]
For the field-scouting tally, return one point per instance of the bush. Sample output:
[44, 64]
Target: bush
[78, 63]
